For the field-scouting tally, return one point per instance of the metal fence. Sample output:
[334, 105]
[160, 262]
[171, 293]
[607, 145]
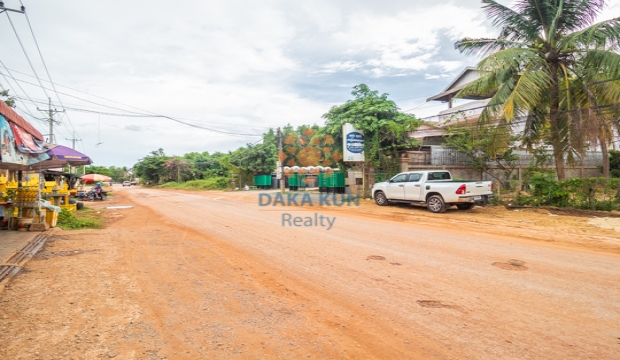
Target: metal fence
[451, 157]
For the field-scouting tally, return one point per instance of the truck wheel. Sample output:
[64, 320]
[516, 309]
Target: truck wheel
[380, 198]
[467, 206]
[436, 204]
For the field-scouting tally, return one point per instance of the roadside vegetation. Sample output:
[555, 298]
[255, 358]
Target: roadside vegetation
[214, 183]
[86, 218]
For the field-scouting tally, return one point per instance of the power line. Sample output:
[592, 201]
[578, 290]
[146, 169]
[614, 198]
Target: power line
[25, 53]
[18, 85]
[133, 113]
[45, 67]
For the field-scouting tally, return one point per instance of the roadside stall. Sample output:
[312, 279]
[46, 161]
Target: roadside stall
[58, 191]
[23, 189]
[21, 145]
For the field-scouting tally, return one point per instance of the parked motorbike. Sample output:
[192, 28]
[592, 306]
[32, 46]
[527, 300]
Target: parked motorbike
[92, 195]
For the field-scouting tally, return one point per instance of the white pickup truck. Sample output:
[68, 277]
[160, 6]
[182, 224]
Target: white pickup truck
[434, 189]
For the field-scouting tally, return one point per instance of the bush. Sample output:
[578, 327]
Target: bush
[214, 183]
[84, 220]
[614, 163]
[578, 193]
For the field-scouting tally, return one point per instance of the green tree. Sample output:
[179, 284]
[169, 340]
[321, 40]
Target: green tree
[119, 174]
[386, 129]
[177, 169]
[205, 165]
[151, 168]
[529, 67]
[101, 170]
[485, 145]
[592, 108]
[256, 158]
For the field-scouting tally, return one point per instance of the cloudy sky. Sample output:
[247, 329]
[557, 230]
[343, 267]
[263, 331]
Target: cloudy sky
[229, 69]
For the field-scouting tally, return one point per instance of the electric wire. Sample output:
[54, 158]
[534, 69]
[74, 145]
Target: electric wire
[18, 85]
[25, 53]
[27, 111]
[41, 55]
[133, 113]
[163, 117]
[45, 67]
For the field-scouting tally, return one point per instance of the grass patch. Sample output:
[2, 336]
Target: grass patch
[86, 218]
[214, 183]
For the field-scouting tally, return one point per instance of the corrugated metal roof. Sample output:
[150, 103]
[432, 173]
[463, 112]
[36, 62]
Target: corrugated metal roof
[15, 118]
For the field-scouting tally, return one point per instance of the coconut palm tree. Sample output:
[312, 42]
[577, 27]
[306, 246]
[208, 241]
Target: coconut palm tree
[593, 110]
[543, 47]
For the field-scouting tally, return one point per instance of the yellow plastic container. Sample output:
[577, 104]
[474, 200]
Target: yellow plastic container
[51, 217]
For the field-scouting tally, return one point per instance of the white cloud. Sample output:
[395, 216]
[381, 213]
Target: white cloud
[407, 40]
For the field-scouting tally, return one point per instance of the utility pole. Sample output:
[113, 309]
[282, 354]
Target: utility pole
[73, 141]
[71, 168]
[22, 9]
[280, 161]
[51, 119]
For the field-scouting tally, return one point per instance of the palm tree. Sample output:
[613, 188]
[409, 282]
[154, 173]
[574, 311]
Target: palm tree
[543, 47]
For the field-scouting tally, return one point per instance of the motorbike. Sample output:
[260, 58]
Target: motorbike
[92, 195]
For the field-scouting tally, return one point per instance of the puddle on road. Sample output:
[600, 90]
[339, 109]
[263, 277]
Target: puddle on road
[516, 265]
[375, 257]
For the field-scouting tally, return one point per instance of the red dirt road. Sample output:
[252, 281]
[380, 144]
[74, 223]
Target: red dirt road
[214, 275]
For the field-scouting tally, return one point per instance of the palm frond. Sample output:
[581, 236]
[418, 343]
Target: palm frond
[527, 93]
[486, 85]
[602, 62]
[575, 15]
[535, 127]
[539, 14]
[484, 46]
[510, 58]
[511, 24]
[602, 35]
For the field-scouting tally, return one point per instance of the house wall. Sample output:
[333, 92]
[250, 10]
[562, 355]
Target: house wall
[466, 78]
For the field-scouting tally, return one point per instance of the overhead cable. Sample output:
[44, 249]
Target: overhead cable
[26, 54]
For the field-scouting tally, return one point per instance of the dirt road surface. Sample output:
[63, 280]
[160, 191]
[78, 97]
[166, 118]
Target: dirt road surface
[214, 275]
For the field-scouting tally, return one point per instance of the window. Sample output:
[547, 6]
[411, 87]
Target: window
[439, 175]
[414, 177]
[399, 178]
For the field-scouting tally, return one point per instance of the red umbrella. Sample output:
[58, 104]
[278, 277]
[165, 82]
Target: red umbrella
[90, 178]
